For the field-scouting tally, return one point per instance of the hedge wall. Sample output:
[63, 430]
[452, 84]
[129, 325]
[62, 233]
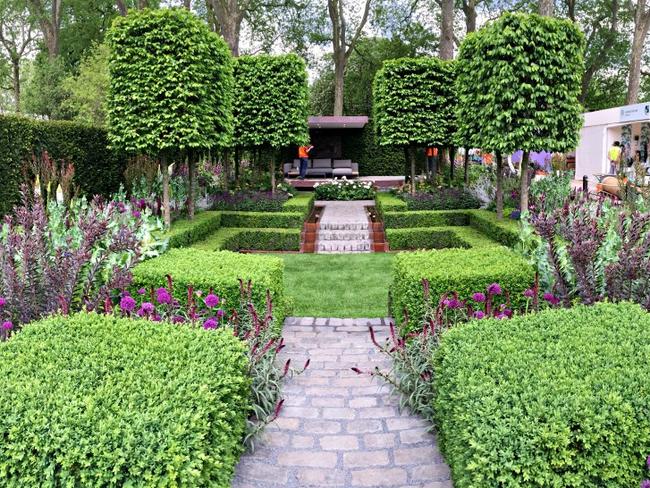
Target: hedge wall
[186, 232]
[219, 270]
[284, 220]
[505, 231]
[424, 218]
[387, 202]
[302, 202]
[234, 239]
[559, 398]
[101, 401]
[461, 270]
[436, 238]
[98, 170]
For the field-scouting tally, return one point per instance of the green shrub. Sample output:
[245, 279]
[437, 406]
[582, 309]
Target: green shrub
[442, 199]
[100, 401]
[98, 170]
[505, 231]
[424, 238]
[185, 232]
[424, 218]
[302, 202]
[344, 189]
[234, 239]
[248, 201]
[387, 202]
[455, 270]
[559, 398]
[218, 270]
[283, 220]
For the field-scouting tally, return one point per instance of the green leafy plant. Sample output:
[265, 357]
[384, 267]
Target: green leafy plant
[556, 398]
[344, 189]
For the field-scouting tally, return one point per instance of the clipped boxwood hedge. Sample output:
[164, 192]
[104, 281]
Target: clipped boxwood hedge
[186, 232]
[437, 238]
[98, 170]
[218, 270]
[462, 270]
[95, 400]
[424, 218]
[234, 239]
[387, 202]
[558, 398]
[302, 202]
[283, 220]
[505, 231]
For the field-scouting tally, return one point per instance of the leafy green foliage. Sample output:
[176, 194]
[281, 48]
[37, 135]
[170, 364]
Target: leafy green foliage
[550, 192]
[103, 401]
[185, 232]
[557, 398]
[518, 82]
[283, 220]
[414, 102]
[344, 189]
[220, 271]
[174, 95]
[504, 231]
[234, 239]
[302, 202]
[454, 270]
[387, 202]
[436, 238]
[271, 101]
[441, 199]
[424, 218]
[98, 170]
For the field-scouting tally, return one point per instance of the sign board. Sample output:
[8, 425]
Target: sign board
[631, 113]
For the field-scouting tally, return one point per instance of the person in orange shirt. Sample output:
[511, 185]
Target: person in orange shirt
[303, 155]
[432, 159]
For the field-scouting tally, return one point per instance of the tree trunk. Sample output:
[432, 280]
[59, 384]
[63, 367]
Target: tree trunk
[237, 165]
[466, 165]
[15, 69]
[523, 188]
[228, 15]
[469, 9]
[499, 189]
[447, 30]
[273, 185]
[339, 80]
[641, 26]
[164, 169]
[452, 157]
[411, 151]
[546, 8]
[191, 172]
[121, 7]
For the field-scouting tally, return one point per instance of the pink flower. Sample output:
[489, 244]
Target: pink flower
[178, 319]
[147, 308]
[7, 325]
[552, 299]
[142, 291]
[3, 302]
[220, 313]
[211, 300]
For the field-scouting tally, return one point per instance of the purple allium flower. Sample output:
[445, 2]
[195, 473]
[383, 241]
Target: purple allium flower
[645, 484]
[142, 204]
[211, 300]
[478, 297]
[211, 323]
[127, 303]
[178, 319]
[507, 312]
[121, 207]
[163, 296]
[529, 293]
[7, 325]
[446, 302]
[2, 302]
[156, 318]
[479, 314]
[142, 291]
[220, 313]
[147, 308]
[454, 303]
[494, 289]
[136, 214]
[550, 298]
[647, 462]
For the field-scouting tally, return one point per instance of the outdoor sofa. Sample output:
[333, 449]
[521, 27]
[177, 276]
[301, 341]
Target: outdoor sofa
[323, 167]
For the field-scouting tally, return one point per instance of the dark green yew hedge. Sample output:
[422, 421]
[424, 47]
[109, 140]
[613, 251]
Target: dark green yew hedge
[92, 400]
[555, 399]
[455, 270]
[98, 170]
[218, 270]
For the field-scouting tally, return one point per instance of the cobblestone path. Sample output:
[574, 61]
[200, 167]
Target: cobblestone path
[338, 429]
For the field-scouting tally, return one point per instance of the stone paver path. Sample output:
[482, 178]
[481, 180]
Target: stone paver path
[338, 429]
[344, 227]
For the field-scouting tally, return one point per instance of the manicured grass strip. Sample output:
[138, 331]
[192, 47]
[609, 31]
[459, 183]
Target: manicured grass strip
[237, 239]
[338, 285]
[387, 202]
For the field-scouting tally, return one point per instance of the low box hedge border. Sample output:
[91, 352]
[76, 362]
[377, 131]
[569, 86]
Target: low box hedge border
[301, 202]
[97, 400]
[257, 220]
[387, 202]
[559, 398]
[505, 231]
[185, 232]
[235, 239]
[219, 270]
[425, 218]
[436, 238]
[454, 270]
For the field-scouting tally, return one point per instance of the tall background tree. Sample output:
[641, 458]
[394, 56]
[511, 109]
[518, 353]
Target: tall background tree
[175, 98]
[641, 12]
[270, 104]
[414, 105]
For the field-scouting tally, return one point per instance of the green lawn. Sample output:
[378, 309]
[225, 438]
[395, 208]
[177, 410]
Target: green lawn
[338, 285]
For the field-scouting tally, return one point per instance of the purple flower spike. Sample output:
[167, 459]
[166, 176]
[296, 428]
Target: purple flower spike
[552, 299]
[479, 314]
[494, 289]
[454, 303]
[3, 302]
[211, 323]
[178, 319]
[7, 325]
[529, 293]
[478, 297]
[127, 303]
[211, 300]
[137, 214]
[163, 296]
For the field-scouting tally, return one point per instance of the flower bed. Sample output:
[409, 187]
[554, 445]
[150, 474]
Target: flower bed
[461, 270]
[102, 401]
[558, 398]
[344, 189]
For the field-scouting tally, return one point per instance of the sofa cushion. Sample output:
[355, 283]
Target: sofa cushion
[342, 163]
[322, 163]
[342, 172]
